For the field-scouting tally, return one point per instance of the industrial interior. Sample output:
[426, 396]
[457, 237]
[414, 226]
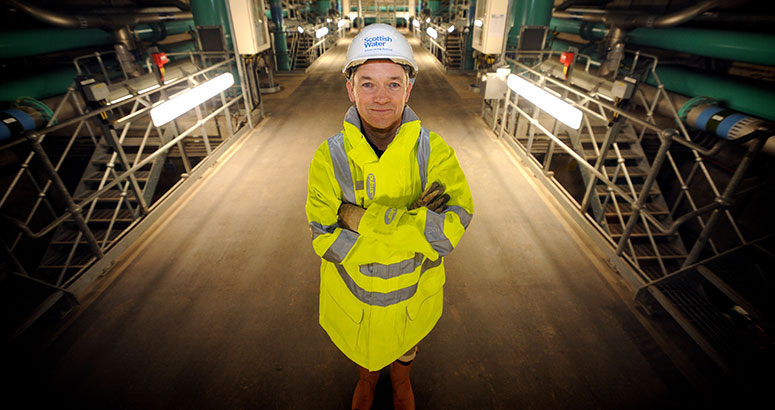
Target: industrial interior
[153, 174]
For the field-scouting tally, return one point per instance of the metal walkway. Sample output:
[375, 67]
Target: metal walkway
[216, 307]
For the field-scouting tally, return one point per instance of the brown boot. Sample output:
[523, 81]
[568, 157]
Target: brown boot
[403, 396]
[364, 390]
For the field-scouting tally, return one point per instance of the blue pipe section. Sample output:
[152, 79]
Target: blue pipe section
[720, 121]
[13, 122]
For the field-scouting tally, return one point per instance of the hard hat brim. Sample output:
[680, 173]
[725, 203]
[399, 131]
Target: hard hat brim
[399, 61]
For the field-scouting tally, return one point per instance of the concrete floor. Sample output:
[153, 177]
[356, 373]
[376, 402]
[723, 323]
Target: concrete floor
[218, 307]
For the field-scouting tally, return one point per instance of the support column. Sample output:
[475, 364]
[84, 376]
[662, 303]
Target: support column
[280, 43]
[212, 13]
[469, 50]
[322, 7]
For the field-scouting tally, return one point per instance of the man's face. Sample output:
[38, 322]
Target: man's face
[379, 89]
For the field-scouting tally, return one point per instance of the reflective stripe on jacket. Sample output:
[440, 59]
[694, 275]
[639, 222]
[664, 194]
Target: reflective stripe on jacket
[381, 288]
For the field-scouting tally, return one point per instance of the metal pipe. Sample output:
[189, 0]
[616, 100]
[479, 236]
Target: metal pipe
[674, 19]
[724, 201]
[108, 22]
[631, 20]
[280, 42]
[24, 43]
[742, 46]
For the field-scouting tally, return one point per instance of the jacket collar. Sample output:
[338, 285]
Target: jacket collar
[353, 118]
[361, 152]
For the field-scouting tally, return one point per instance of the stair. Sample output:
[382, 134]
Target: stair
[726, 304]
[299, 50]
[454, 47]
[667, 252]
[114, 210]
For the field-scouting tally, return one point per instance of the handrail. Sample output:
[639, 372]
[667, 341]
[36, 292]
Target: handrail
[617, 181]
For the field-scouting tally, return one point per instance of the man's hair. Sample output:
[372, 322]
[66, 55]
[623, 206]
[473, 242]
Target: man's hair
[407, 69]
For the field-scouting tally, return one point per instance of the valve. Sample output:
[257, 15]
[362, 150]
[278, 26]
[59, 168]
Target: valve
[567, 58]
[160, 59]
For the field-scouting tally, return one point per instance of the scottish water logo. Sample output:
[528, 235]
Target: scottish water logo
[376, 41]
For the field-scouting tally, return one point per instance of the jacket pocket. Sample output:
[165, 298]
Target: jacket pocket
[342, 318]
[422, 315]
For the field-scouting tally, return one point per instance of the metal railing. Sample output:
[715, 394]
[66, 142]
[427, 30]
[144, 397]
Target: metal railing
[605, 123]
[305, 48]
[121, 189]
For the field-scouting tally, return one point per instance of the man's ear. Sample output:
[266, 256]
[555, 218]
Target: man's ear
[408, 91]
[350, 92]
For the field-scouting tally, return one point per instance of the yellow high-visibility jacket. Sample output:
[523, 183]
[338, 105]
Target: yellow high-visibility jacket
[381, 288]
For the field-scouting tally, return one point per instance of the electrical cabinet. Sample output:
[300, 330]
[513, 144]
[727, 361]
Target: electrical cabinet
[490, 25]
[251, 29]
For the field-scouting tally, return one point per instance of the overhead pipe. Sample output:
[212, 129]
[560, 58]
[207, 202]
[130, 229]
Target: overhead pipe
[619, 23]
[756, 48]
[106, 22]
[25, 43]
[629, 20]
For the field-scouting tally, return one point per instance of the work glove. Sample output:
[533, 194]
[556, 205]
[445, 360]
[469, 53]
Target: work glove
[350, 216]
[433, 198]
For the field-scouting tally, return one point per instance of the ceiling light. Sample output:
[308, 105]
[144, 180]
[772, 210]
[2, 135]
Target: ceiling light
[183, 102]
[552, 105]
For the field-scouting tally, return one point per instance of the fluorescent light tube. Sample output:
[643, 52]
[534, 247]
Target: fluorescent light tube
[118, 100]
[145, 90]
[341, 23]
[478, 23]
[428, 20]
[416, 23]
[185, 101]
[300, 30]
[556, 107]
[451, 28]
[321, 32]
[432, 32]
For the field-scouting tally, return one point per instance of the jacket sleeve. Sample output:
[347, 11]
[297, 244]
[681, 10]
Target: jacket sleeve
[385, 231]
[422, 230]
[330, 242]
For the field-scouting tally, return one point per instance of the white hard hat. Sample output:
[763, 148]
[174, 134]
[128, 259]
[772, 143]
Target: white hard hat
[380, 41]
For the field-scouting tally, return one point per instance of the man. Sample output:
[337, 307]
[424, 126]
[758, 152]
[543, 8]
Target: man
[386, 202]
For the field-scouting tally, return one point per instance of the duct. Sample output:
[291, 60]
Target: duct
[755, 48]
[26, 43]
[106, 22]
